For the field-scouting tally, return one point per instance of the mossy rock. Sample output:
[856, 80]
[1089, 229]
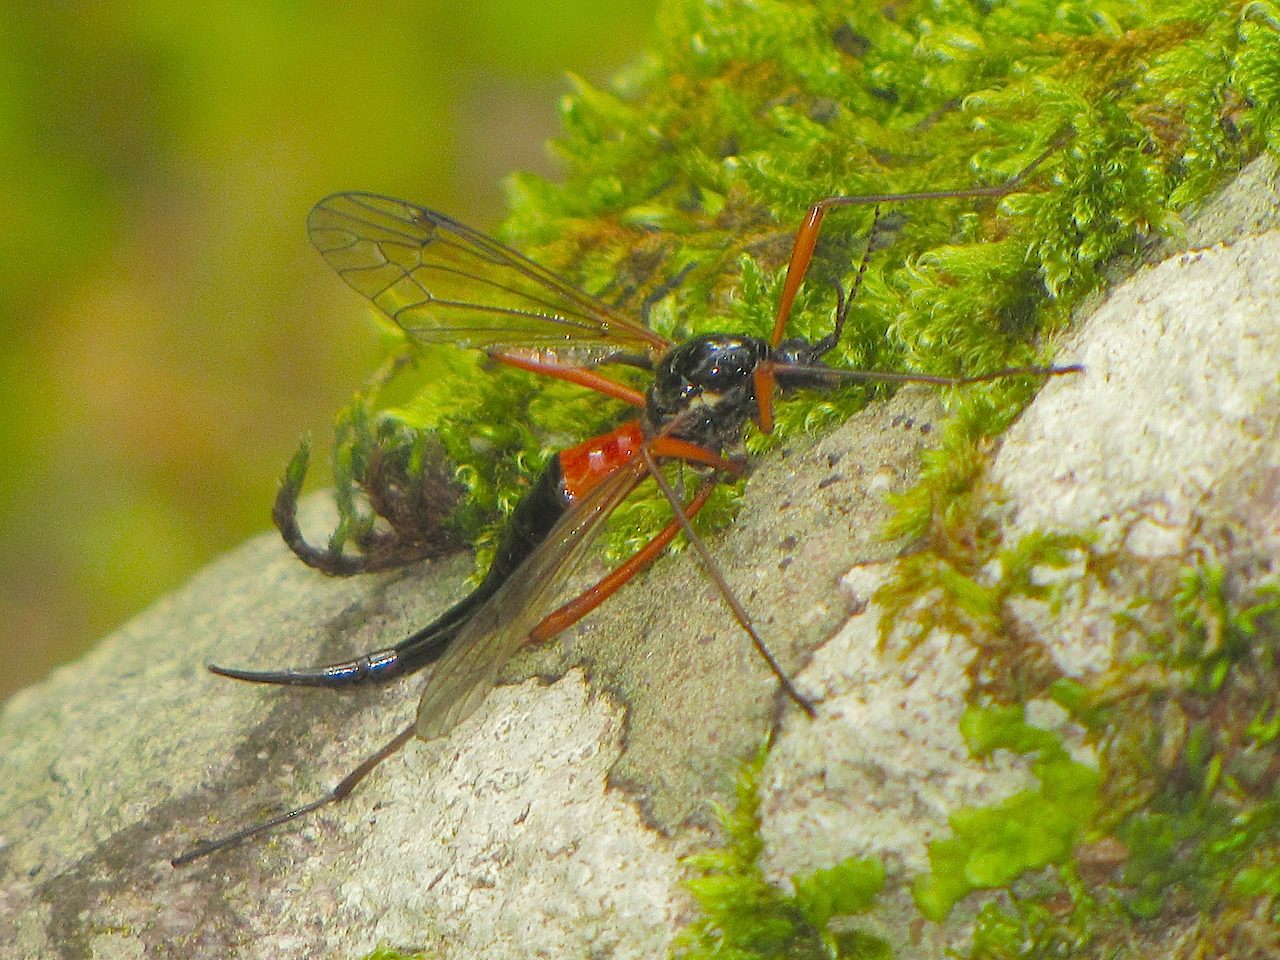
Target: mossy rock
[1050, 720]
[520, 827]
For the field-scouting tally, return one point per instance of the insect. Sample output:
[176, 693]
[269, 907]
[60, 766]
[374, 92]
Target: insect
[446, 283]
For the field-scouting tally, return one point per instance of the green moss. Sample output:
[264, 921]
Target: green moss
[1216, 633]
[969, 584]
[391, 953]
[745, 917]
[1031, 927]
[1209, 831]
[992, 846]
[1182, 829]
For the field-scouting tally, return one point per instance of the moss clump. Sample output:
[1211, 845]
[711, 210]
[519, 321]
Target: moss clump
[968, 583]
[1203, 820]
[391, 953]
[747, 918]
[395, 495]
[1178, 829]
[990, 847]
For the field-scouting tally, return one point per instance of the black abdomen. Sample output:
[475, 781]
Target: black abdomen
[531, 521]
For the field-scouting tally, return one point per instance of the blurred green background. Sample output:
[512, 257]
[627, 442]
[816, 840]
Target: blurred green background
[168, 333]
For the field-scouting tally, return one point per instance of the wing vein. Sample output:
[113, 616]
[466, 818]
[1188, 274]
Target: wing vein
[438, 278]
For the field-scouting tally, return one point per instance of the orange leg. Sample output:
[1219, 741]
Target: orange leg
[807, 236]
[763, 381]
[675, 448]
[577, 608]
[801, 253]
[564, 371]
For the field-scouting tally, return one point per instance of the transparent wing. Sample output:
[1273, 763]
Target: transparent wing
[444, 282]
[468, 669]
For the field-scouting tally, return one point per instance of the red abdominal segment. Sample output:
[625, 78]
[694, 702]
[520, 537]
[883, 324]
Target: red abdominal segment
[585, 465]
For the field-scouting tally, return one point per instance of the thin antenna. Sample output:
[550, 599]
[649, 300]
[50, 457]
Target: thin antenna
[795, 374]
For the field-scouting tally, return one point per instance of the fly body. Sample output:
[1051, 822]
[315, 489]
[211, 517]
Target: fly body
[703, 390]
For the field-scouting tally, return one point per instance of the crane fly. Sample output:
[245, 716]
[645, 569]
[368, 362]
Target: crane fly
[446, 283]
